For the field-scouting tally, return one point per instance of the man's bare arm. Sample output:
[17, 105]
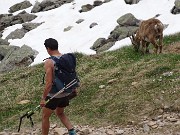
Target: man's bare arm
[49, 67]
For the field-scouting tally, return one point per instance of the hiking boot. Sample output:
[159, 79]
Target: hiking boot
[72, 132]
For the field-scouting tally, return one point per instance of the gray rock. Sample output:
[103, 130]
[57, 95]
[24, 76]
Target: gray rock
[106, 1]
[92, 25]
[176, 8]
[122, 32]
[146, 128]
[17, 34]
[131, 1]
[86, 8]
[36, 8]
[4, 42]
[119, 132]
[19, 6]
[98, 43]
[105, 47]
[79, 21]
[26, 17]
[5, 21]
[8, 51]
[30, 26]
[68, 28]
[17, 57]
[9, 20]
[128, 20]
[177, 4]
[46, 5]
[97, 3]
[4, 50]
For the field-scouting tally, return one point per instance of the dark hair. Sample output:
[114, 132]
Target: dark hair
[51, 44]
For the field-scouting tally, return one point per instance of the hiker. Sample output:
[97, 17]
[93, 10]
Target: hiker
[58, 103]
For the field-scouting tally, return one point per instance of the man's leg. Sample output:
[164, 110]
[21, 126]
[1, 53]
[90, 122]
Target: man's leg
[64, 119]
[46, 113]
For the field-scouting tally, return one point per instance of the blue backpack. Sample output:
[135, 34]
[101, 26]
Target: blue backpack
[64, 73]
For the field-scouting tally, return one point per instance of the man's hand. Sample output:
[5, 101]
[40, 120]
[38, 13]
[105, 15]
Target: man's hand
[42, 103]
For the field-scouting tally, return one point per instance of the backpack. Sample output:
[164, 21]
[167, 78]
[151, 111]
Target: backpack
[64, 73]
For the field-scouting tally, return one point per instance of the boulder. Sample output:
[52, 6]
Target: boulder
[98, 43]
[7, 20]
[97, 3]
[30, 26]
[177, 4]
[4, 42]
[105, 47]
[86, 8]
[127, 25]
[26, 17]
[128, 20]
[4, 49]
[176, 8]
[17, 57]
[17, 34]
[19, 6]
[46, 5]
[122, 32]
[36, 8]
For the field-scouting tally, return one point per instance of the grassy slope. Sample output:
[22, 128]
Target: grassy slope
[137, 88]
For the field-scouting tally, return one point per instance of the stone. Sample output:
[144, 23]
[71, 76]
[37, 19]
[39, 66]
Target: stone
[19, 6]
[24, 102]
[102, 86]
[146, 128]
[68, 28]
[79, 21]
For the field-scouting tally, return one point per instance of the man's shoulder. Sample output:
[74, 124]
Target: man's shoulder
[48, 62]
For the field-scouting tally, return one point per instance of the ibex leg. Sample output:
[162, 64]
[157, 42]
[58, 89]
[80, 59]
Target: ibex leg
[160, 43]
[154, 42]
[147, 45]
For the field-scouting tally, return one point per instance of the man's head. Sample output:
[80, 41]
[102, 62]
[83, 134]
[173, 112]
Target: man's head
[51, 44]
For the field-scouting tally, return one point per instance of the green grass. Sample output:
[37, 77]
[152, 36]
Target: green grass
[171, 38]
[139, 88]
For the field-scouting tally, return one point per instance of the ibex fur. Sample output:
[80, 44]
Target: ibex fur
[150, 31]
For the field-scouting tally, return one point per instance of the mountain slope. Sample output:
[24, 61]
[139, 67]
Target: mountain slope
[117, 87]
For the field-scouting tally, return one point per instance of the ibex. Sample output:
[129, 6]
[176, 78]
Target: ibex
[150, 31]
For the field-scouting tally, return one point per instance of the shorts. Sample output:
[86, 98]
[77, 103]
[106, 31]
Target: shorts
[57, 102]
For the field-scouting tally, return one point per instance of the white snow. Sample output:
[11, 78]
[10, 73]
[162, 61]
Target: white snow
[80, 38]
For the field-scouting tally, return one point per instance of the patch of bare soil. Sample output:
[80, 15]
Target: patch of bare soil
[172, 48]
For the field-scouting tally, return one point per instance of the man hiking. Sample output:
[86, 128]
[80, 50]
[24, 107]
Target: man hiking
[58, 103]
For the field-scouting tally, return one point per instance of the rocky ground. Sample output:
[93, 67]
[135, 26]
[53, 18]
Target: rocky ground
[166, 123]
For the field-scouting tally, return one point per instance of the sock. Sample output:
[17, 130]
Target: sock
[72, 132]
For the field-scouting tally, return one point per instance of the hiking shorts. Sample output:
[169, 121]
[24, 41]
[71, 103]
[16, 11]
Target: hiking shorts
[57, 102]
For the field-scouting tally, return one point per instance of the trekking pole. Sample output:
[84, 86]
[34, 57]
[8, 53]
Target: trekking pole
[31, 112]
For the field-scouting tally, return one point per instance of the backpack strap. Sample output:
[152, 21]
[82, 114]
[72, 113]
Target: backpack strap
[55, 59]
